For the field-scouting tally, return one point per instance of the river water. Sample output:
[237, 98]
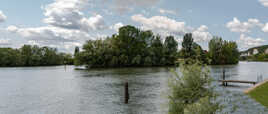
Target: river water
[56, 90]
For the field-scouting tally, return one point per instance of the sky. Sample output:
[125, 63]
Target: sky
[65, 24]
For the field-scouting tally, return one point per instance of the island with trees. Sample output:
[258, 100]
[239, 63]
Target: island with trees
[130, 47]
[135, 47]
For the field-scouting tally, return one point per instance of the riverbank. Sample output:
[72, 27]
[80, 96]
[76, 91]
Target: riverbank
[259, 93]
[254, 60]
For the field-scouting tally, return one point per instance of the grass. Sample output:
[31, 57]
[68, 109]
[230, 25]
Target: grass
[260, 94]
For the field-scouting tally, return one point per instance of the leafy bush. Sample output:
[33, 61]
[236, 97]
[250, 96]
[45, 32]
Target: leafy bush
[190, 91]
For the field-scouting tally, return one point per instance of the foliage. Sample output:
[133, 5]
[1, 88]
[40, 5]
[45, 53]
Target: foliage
[256, 57]
[76, 50]
[135, 47]
[191, 91]
[187, 46]
[33, 56]
[223, 52]
[130, 47]
[191, 50]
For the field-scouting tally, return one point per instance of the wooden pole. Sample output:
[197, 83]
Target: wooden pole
[126, 93]
[223, 77]
[65, 66]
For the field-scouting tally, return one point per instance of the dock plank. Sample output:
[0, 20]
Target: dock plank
[238, 81]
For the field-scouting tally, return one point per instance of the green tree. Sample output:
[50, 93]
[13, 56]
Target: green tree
[171, 47]
[223, 52]
[187, 45]
[130, 47]
[190, 92]
[191, 50]
[26, 52]
[157, 49]
[76, 50]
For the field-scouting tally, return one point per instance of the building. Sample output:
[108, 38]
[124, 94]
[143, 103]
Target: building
[266, 51]
[244, 54]
[255, 51]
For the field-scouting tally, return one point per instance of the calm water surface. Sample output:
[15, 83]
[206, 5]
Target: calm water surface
[54, 90]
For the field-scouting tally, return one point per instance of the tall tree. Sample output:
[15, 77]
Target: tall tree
[171, 47]
[76, 50]
[223, 52]
[187, 45]
[158, 51]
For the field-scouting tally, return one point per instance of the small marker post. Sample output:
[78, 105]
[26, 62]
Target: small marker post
[126, 93]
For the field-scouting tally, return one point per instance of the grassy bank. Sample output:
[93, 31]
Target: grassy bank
[260, 94]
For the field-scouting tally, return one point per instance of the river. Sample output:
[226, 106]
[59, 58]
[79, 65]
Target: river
[56, 90]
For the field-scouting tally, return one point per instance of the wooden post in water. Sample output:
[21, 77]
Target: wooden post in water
[126, 93]
[65, 66]
[223, 78]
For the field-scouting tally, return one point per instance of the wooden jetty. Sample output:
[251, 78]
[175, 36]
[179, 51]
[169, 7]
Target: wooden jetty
[225, 82]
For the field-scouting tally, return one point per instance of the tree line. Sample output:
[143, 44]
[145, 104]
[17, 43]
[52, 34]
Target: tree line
[223, 52]
[29, 55]
[220, 52]
[135, 47]
[129, 47]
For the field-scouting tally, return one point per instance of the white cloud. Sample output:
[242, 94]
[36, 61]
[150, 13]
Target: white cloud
[116, 26]
[68, 14]
[67, 25]
[248, 42]
[166, 26]
[33, 42]
[70, 46]
[93, 23]
[264, 2]
[265, 28]
[64, 13]
[50, 34]
[243, 27]
[201, 34]
[161, 24]
[12, 28]
[5, 42]
[66, 47]
[164, 11]
[60, 38]
[2, 17]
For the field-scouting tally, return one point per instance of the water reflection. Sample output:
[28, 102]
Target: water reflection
[231, 71]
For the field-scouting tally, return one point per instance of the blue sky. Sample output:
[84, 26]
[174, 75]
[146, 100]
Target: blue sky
[65, 24]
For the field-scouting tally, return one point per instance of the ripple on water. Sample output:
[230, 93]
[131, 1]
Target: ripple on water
[50, 90]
